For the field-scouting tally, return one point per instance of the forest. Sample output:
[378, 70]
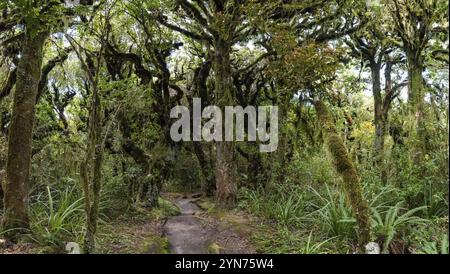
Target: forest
[117, 131]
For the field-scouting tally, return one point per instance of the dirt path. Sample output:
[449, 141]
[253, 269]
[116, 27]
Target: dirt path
[185, 232]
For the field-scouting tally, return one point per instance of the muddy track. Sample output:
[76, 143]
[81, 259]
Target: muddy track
[185, 232]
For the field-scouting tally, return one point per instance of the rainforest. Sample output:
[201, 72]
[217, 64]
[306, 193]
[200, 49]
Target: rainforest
[115, 136]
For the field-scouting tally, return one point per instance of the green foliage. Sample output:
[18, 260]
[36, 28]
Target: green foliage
[335, 214]
[436, 247]
[56, 219]
[393, 222]
[314, 205]
[313, 247]
[421, 185]
[187, 176]
[169, 208]
[316, 171]
[285, 205]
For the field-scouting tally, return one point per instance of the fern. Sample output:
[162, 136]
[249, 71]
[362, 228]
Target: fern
[386, 227]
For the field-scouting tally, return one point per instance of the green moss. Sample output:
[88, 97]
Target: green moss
[168, 208]
[346, 169]
[206, 204]
[214, 248]
[156, 245]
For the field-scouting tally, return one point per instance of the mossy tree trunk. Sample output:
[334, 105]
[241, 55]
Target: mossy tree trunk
[346, 169]
[416, 97]
[379, 121]
[382, 105]
[224, 169]
[1, 192]
[16, 185]
[91, 167]
[203, 151]
[2, 178]
[2, 170]
[207, 168]
[91, 173]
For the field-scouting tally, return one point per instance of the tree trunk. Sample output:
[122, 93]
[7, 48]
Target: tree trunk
[382, 106]
[91, 168]
[416, 107]
[380, 129]
[225, 181]
[16, 186]
[152, 192]
[91, 172]
[346, 169]
[207, 170]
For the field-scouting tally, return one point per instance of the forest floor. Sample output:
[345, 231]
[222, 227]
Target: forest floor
[202, 228]
[198, 228]
[183, 224]
[20, 248]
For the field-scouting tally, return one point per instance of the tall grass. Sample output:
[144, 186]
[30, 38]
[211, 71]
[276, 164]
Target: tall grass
[57, 218]
[284, 205]
[334, 214]
[293, 212]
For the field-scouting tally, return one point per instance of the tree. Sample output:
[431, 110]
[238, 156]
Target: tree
[37, 18]
[372, 44]
[220, 25]
[22, 119]
[346, 169]
[149, 60]
[307, 64]
[416, 23]
[91, 168]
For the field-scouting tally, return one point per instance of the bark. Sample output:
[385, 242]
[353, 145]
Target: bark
[346, 169]
[379, 112]
[153, 191]
[416, 106]
[383, 116]
[207, 170]
[91, 174]
[203, 151]
[382, 104]
[255, 169]
[374, 54]
[145, 188]
[2, 170]
[48, 67]
[225, 181]
[91, 167]
[16, 186]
